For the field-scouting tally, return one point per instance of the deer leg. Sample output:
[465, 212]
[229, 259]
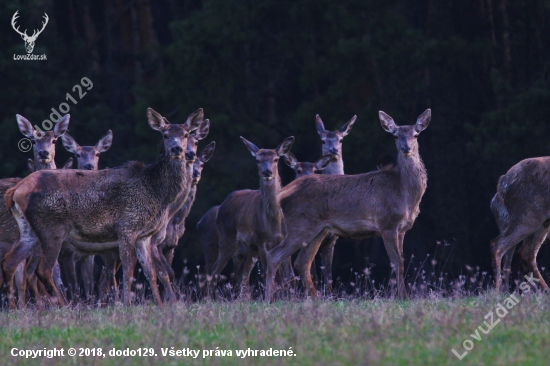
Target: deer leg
[51, 238]
[21, 284]
[108, 283]
[391, 242]
[30, 277]
[326, 252]
[224, 255]
[512, 235]
[128, 258]
[87, 275]
[169, 294]
[19, 253]
[243, 281]
[67, 263]
[144, 253]
[304, 261]
[167, 256]
[507, 267]
[528, 255]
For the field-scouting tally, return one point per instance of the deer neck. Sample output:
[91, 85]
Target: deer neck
[335, 166]
[413, 175]
[167, 178]
[269, 190]
[43, 166]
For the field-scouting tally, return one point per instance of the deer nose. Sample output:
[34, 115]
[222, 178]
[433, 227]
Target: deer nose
[333, 151]
[88, 167]
[190, 155]
[44, 154]
[406, 150]
[176, 150]
[195, 174]
[267, 173]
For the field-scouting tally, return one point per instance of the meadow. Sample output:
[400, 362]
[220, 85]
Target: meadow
[377, 331]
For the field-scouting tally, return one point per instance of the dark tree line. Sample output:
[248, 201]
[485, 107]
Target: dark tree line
[263, 69]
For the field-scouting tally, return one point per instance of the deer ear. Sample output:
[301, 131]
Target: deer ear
[155, 120]
[30, 166]
[194, 120]
[25, 126]
[319, 126]
[284, 147]
[68, 164]
[105, 142]
[203, 130]
[207, 152]
[250, 146]
[423, 120]
[323, 162]
[290, 159]
[387, 122]
[346, 128]
[62, 125]
[69, 143]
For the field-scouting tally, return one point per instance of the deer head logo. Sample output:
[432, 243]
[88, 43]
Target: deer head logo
[29, 41]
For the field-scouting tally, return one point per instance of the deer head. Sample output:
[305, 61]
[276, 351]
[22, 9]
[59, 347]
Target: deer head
[203, 157]
[29, 40]
[87, 157]
[303, 168]
[44, 147]
[332, 140]
[405, 136]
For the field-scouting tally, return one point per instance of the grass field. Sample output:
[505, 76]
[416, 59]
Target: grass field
[325, 332]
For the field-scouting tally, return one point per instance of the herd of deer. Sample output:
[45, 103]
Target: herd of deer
[54, 219]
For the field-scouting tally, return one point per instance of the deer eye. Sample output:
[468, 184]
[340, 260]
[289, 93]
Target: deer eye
[323, 142]
[395, 137]
[258, 161]
[299, 171]
[33, 141]
[77, 155]
[196, 143]
[415, 136]
[276, 159]
[165, 135]
[54, 141]
[96, 154]
[341, 140]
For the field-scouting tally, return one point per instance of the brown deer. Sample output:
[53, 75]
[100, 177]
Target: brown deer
[164, 271]
[381, 203]
[176, 226]
[331, 144]
[95, 208]
[108, 285]
[252, 219]
[44, 155]
[208, 232]
[523, 215]
[87, 158]
[301, 169]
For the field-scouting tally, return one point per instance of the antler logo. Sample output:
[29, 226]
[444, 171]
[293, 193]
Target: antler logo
[29, 41]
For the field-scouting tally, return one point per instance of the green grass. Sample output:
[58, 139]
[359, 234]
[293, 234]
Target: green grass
[381, 332]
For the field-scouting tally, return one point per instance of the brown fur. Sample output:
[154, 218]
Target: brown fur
[380, 203]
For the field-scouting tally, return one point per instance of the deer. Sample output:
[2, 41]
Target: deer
[208, 232]
[29, 40]
[331, 144]
[96, 208]
[87, 158]
[523, 215]
[176, 226]
[164, 270]
[43, 158]
[380, 203]
[251, 220]
[108, 285]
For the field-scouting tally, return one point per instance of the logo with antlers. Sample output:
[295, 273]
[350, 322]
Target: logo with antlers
[29, 40]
